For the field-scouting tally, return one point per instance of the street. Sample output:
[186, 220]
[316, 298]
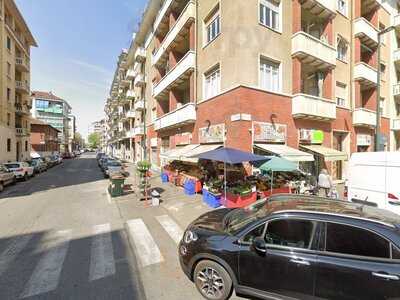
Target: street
[63, 237]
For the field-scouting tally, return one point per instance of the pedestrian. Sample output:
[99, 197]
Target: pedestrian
[324, 183]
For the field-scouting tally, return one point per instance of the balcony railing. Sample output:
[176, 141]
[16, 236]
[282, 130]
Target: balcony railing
[311, 107]
[183, 115]
[364, 117]
[366, 32]
[185, 65]
[22, 86]
[138, 130]
[322, 8]
[396, 21]
[130, 94]
[140, 80]
[130, 74]
[161, 13]
[187, 16]
[22, 64]
[21, 108]
[139, 105]
[396, 90]
[365, 73]
[131, 114]
[305, 45]
[21, 131]
[396, 124]
[396, 55]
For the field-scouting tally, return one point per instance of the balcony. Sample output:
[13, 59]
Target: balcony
[22, 64]
[140, 80]
[140, 54]
[139, 105]
[396, 91]
[130, 94]
[19, 131]
[364, 117]
[176, 75]
[21, 109]
[396, 21]
[181, 116]
[396, 124]
[313, 108]
[138, 130]
[313, 51]
[124, 82]
[161, 13]
[367, 75]
[22, 87]
[366, 32]
[130, 74]
[131, 114]
[321, 8]
[175, 34]
[396, 57]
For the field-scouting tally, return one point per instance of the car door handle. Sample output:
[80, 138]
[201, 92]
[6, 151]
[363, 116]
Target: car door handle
[386, 276]
[300, 262]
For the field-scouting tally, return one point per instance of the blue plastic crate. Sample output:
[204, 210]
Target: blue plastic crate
[164, 178]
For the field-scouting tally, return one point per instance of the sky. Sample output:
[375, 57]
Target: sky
[79, 43]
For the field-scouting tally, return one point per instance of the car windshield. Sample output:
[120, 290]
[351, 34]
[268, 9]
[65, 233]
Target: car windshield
[240, 217]
[12, 166]
[114, 164]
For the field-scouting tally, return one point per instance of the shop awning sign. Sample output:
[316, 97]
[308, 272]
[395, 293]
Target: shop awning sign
[269, 133]
[311, 136]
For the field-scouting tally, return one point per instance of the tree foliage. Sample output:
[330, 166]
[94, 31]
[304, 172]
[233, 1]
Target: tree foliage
[94, 140]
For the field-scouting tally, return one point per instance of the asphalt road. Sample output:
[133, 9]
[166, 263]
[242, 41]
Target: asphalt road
[61, 238]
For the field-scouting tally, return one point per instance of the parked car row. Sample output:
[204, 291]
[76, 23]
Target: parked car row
[109, 165]
[12, 171]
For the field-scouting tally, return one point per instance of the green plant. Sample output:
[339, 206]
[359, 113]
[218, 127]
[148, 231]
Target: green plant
[143, 166]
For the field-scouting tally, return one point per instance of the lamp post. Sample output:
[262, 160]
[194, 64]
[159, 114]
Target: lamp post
[378, 91]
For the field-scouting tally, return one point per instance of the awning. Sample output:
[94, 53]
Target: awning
[198, 150]
[286, 152]
[328, 154]
[177, 153]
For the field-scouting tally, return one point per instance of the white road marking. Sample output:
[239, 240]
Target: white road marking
[146, 249]
[176, 207]
[109, 200]
[102, 262]
[170, 226]
[47, 272]
[12, 251]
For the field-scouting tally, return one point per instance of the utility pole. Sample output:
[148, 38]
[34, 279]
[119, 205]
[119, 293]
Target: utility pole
[378, 91]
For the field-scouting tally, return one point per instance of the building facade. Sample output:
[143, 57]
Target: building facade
[44, 139]
[100, 128]
[296, 78]
[15, 102]
[54, 111]
[71, 133]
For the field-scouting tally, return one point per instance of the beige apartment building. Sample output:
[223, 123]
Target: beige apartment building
[298, 79]
[15, 103]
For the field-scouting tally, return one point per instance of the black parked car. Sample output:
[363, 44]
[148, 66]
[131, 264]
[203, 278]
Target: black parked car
[294, 247]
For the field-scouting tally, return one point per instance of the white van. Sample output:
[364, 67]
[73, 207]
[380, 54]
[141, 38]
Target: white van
[374, 179]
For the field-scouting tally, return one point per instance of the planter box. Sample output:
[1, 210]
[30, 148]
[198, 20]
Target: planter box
[284, 190]
[211, 199]
[237, 201]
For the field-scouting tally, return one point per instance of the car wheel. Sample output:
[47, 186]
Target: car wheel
[212, 281]
[1, 186]
[26, 177]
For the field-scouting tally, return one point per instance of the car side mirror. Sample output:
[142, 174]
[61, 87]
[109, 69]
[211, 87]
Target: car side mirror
[260, 245]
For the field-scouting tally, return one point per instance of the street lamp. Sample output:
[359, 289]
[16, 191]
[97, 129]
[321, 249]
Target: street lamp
[378, 91]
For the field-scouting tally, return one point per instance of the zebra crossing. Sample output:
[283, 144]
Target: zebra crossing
[46, 274]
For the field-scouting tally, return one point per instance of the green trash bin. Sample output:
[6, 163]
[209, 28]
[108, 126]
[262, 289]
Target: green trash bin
[116, 187]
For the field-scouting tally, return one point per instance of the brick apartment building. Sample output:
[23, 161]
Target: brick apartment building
[44, 138]
[296, 78]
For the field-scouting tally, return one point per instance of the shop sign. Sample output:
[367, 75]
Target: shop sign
[311, 136]
[183, 139]
[212, 134]
[364, 140]
[270, 133]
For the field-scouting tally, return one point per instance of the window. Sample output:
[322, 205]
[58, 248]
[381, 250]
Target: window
[341, 94]
[8, 145]
[269, 75]
[256, 232]
[269, 14]
[8, 94]
[342, 7]
[382, 68]
[42, 104]
[382, 106]
[290, 233]
[213, 26]
[351, 240]
[26, 145]
[212, 83]
[8, 43]
[8, 119]
[395, 252]
[383, 36]
[342, 47]
[8, 69]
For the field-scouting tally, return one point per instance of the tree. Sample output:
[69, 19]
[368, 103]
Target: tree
[79, 140]
[94, 140]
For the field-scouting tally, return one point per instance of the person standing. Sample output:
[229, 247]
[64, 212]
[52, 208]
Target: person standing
[324, 183]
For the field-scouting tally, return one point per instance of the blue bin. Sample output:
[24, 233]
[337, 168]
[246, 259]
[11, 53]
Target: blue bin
[164, 178]
[211, 200]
